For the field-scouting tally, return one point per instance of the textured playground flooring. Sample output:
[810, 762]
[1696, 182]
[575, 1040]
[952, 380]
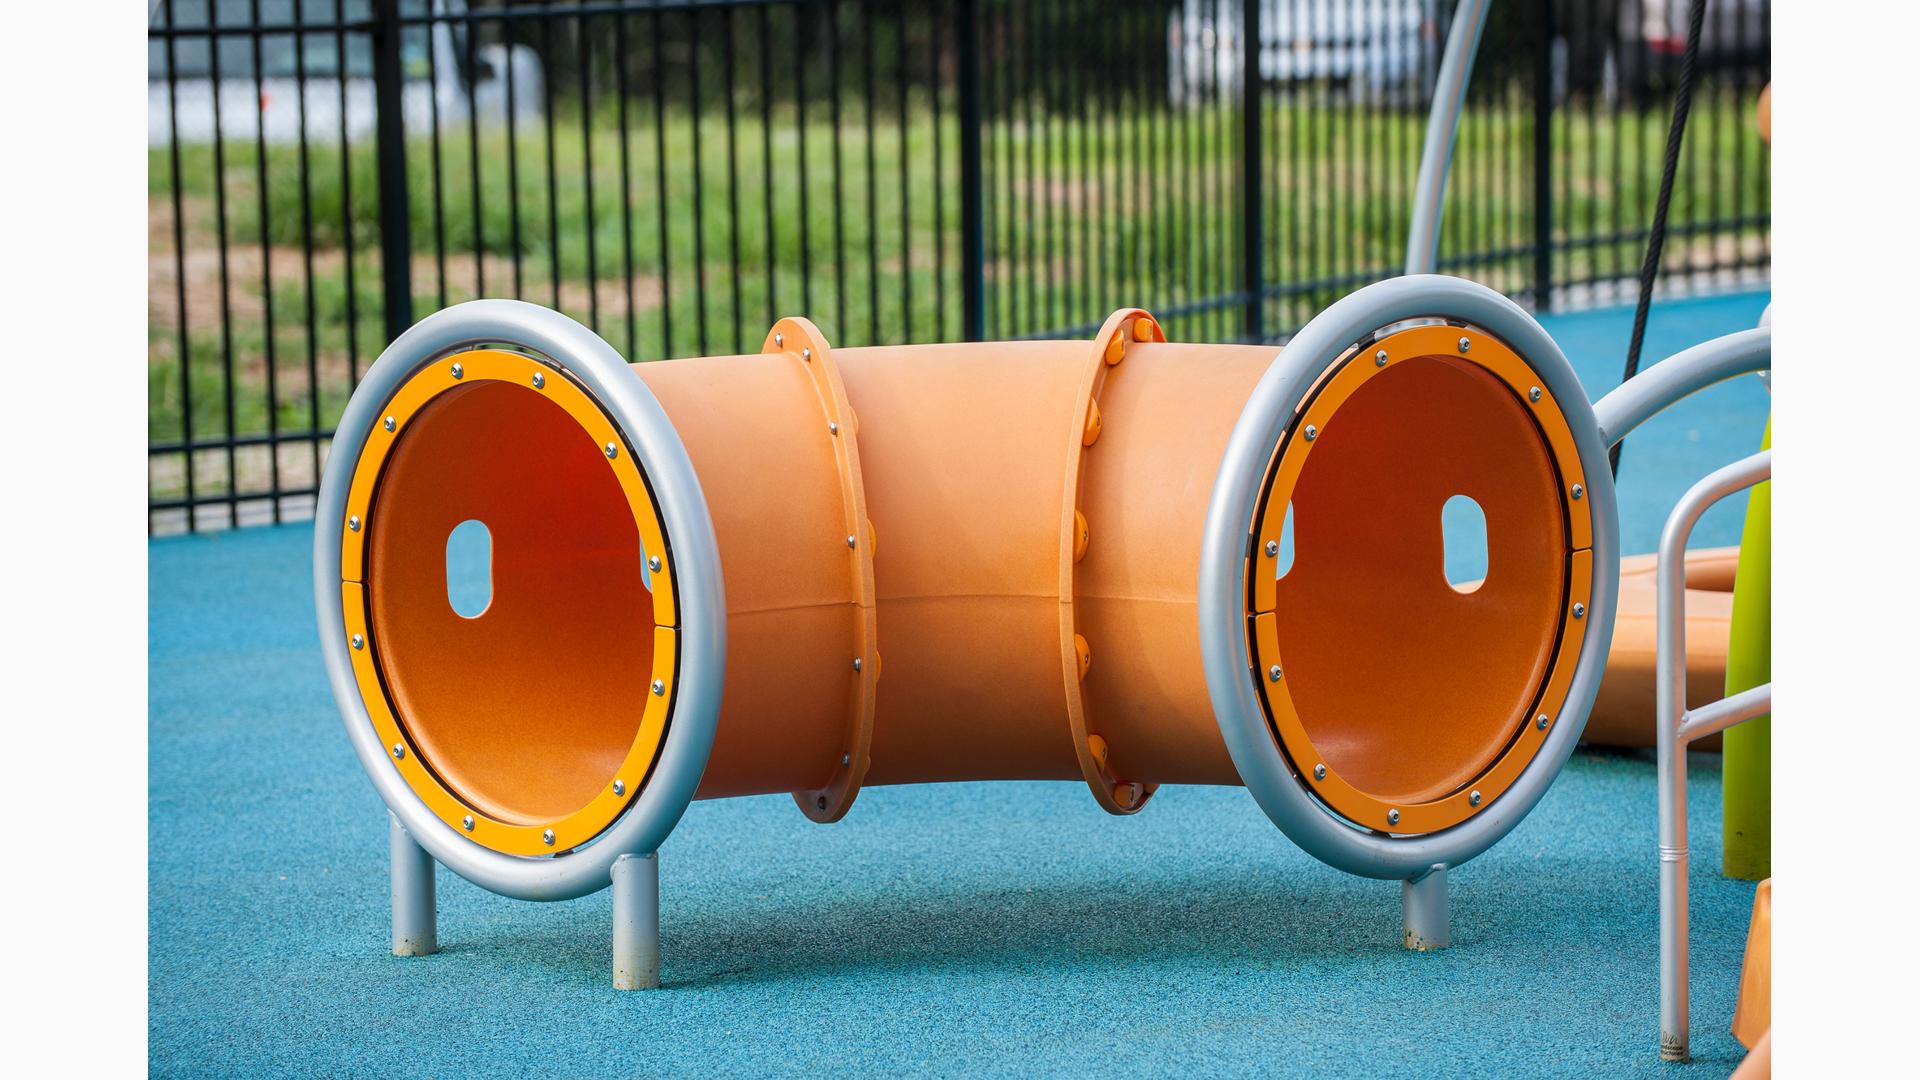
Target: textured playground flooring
[951, 929]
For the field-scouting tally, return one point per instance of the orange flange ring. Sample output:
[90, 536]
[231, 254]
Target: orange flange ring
[1406, 704]
[524, 382]
[1116, 795]
[802, 341]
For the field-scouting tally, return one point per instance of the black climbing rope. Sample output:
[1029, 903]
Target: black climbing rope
[1657, 236]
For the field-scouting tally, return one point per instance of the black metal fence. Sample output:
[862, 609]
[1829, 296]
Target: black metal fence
[677, 174]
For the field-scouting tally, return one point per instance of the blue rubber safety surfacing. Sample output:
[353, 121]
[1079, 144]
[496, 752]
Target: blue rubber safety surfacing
[964, 928]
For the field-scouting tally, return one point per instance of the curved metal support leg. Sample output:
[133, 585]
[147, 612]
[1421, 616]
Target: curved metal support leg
[1677, 726]
[1423, 911]
[636, 922]
[413, 894]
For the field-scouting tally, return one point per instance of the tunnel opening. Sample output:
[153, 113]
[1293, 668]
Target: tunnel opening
[1409, 667]
[508, 590]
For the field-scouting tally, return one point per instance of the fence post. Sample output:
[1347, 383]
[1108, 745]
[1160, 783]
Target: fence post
[390, 147]
[1253, 279]
[1543, 163]
[973, 227]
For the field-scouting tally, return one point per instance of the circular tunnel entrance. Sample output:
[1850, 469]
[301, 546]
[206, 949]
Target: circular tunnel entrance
[518, 602]
[1399, 690]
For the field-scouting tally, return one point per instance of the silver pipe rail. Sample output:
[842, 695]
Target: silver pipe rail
[1678, 726]
[1443, 122]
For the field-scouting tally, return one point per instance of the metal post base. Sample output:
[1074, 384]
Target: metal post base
[413, 894]
[1423, 911]
[636, 922]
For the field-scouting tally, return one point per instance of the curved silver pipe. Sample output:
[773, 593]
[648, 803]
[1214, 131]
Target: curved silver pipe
[1443, 121]
[1642, 397]
[1676, 727]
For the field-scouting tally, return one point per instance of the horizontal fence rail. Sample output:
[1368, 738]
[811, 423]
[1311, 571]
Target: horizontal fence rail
[679, 174]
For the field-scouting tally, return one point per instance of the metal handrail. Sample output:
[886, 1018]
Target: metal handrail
[1678, 726]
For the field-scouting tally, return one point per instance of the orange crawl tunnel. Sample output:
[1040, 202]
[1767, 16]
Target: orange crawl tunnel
[813, 570]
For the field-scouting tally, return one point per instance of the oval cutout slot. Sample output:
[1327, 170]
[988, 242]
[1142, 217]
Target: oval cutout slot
[1283, 562]
[469, 569]
[1463, 539]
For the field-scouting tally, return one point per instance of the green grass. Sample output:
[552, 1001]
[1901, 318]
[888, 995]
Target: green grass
[1141, 211]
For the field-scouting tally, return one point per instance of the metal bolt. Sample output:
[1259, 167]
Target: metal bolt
[546, 837]
[1393, 816]
[467, 823]
[1542, 722]
[856, 663]
[1380, 358]
[459, 372]
[1579, 611]
[619, 787]
[833, 428]
[1273, 548]
[1578, 491]
[653, 564]
[1312, 433]
[613, 451]
[659, 688]
[846, 760]
[1473, 797]
[1319, 772]
[1465, 344]
[388, 423]
[851, 541]
[1533, 393]
[353, 523]
[399, 751]
[1273, 673]
[357, 642]
[539, 381]
[779, 340]
[807, 355]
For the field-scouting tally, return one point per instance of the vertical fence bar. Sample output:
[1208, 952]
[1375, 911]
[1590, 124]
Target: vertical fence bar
[973, 250]
[1543, 164]
[390, 135]
[1252, 268]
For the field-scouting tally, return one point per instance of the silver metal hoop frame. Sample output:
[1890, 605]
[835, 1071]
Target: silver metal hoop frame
[1225, 551]
[657, 807]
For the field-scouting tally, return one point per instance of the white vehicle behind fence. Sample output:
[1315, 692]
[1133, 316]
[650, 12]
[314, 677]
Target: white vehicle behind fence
[1377, 50]
[338, 84]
